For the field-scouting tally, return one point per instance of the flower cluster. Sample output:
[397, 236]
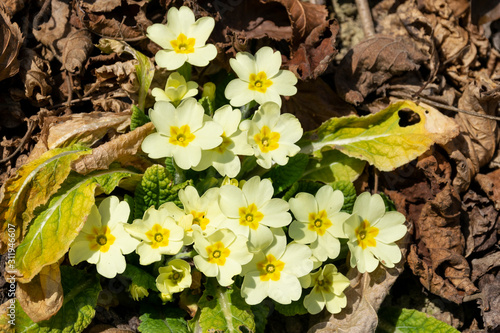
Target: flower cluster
[236, 228]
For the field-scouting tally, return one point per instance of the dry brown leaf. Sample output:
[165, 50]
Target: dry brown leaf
[11, 7]
[51, 32]
[122, 19]
[314, 103]
[36, 76]
[42, 297]
[371, 63]
[438, 257]
[483, 265]
[83, 128]
[490, 301]
[481, 220]
[490, 184]
[76, 50]
[103, 328]
[123, 149]
[11, 40]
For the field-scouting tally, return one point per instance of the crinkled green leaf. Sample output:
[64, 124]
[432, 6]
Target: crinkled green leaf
[386, 139]
[284, 176]
[349, 192]
[156, 188]
[293, 309]
[389, 204]
[80, 299]
[61, 220]
[33, 185]
[302, 186]
[392, 319]
[138, 118]
[223, 310]
[260, 312]
[166, 324]
[332, 166]
[140, 277]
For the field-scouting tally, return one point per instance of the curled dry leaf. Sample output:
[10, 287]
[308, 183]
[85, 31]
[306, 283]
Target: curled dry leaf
[440, 248]
[483, 265]
[123, 149]
[490, 184]
[36, 76]
[71, 45]
[11, 40]
[371, 63]
[42, 297]
[11, 7]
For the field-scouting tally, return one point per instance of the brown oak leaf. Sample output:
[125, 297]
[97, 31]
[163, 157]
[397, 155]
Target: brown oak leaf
[11, 40]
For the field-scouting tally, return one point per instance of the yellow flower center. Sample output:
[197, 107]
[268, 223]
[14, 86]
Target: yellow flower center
[322, 285]
[267, 140]
[366, 235]
[319, 222]
[158, 236]
[181, 136]
[183, 44]
[225, 143]
[270, 268]
[176, 276]
[200, 219]
[217, 253]
[250, 216]
[259, 82]
[100, 239]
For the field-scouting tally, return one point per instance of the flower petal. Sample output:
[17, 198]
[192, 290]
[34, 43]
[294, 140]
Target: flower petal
[243, 65]
[267, 61]
[201, 30]
[286, 290]
[238, 93]
[302, 205]
[111, 263]
[284, 83]
[170, 59]
[202, 55]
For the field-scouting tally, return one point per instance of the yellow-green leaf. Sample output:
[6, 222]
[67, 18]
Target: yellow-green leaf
[387, 139]
[333, 166]
[33, 185]
[55, 228]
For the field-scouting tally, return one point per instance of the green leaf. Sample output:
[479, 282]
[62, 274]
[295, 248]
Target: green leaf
[33, 185]
[389, 204]
[224, 310]
[208, 104]
[284, 176]
[349, 192]
[61, 220]
[138, 118]
[167, 324]
[392, 319]
[386, 139]
[140, 277]
[293, 309]
[185, 70]
[260, 312]
[156, 188]
[332, 166]
[80, 299]
[302, 186]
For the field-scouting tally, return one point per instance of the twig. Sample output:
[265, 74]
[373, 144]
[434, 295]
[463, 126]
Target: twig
[443, 106]
[23, 141]
[366, 17]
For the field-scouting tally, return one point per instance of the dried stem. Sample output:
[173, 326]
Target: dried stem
[366, 17]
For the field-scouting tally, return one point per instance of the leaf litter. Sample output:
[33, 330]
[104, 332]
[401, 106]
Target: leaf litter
[440, 52]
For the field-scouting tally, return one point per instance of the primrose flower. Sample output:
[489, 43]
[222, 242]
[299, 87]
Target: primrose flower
[205, 209]
[176, 89]
[275, 271]
[173, 278]
[319, 221]
[221, 254]
[159, 234]
[182, 133]
[328, 289]
[103, 241]
[251, 210]
[183, 39]
[259, 78]
[372, 232]
[234, 142]
[272, 135]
